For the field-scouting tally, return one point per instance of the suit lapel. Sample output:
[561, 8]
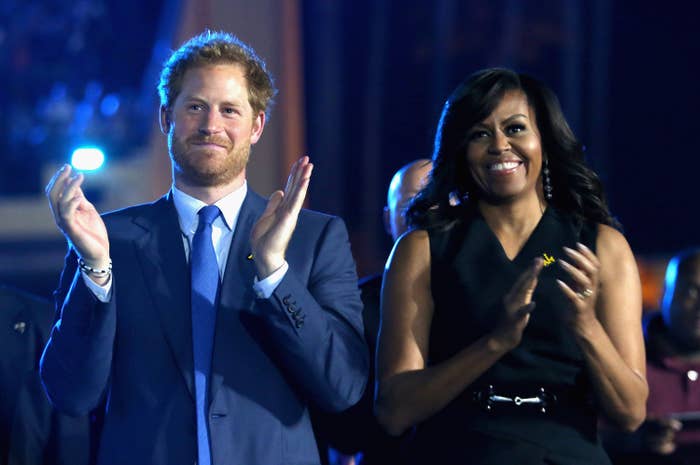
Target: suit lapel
[165, 270]
[237, 285]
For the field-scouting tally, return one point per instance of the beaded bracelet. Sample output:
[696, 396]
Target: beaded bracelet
[84, 267]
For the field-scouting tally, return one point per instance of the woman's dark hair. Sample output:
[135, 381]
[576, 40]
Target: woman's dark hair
[577, 190]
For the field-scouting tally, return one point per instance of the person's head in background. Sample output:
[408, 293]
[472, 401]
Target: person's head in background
[680, 305]
[405, 184]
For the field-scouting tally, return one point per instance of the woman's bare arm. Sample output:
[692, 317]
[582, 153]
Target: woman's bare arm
[607, 325]
[408, 391]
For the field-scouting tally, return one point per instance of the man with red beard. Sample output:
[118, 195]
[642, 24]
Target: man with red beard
[209, 319]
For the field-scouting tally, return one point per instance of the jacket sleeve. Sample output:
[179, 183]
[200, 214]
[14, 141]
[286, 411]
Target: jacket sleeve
[316, 328]
[76, 362]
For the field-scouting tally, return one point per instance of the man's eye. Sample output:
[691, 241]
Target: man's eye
[195, 107]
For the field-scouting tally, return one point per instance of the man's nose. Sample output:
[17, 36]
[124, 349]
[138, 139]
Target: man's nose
[210, 123]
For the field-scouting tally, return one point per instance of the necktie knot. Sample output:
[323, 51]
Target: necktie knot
[208, 214]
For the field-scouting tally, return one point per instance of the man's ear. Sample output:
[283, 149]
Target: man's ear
[387, 221]
[258, 126]
[164, 120]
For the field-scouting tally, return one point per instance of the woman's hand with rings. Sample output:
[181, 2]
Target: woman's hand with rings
[584, 294]
[583, 268]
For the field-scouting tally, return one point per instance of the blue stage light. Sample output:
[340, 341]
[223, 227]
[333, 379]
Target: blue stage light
[87, 158]
[109, 104]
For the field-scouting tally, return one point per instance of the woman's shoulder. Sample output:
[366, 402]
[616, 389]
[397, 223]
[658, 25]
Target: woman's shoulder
[611, 238]
[411, 254]
[413, 240]
[613, 250]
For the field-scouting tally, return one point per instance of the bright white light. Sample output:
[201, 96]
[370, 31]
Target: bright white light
[87, 158]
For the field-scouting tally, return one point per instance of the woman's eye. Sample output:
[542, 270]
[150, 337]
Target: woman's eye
[474, 135]
[515, 128]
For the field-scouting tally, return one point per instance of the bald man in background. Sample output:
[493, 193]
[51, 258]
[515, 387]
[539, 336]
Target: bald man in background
[405, 184]
[355, 433]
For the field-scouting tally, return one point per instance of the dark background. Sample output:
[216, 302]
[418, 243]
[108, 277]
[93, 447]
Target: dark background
[375, 76]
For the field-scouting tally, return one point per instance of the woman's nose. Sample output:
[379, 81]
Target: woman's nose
[499, 143]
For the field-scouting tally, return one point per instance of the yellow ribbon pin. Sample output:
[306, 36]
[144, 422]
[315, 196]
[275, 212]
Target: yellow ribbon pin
[548, 259]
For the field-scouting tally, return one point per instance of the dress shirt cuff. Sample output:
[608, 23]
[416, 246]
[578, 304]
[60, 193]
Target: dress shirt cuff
[103, 293]
[264, 289]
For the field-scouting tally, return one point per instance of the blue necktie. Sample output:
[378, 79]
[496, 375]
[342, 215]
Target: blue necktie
[205, 284]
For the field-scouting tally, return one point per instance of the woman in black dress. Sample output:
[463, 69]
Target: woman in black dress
[511, 313]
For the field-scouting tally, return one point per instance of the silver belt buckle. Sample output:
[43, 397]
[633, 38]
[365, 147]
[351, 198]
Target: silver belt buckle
[543, 398]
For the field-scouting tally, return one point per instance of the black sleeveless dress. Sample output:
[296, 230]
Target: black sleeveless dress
[470, 274]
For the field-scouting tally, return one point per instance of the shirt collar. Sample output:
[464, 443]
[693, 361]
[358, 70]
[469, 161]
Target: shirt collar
[188, 207]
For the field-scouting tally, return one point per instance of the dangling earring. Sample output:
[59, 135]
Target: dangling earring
[456, 199]
[546, 181]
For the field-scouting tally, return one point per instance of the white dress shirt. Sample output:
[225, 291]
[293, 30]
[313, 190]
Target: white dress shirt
[223, 227]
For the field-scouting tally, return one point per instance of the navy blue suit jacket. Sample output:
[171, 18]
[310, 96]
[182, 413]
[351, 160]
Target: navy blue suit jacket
[272, 357]
[31, 432]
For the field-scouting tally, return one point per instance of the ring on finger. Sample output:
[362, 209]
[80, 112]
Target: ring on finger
[586, 293]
